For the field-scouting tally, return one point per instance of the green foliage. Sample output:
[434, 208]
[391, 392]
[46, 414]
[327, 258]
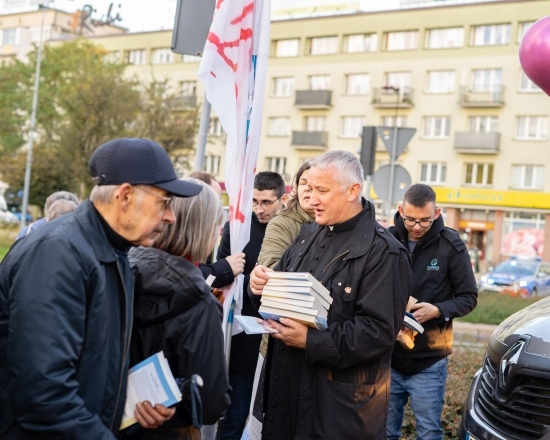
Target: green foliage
[493, 308]
[463, 363]
[7, 237]
[84, 101]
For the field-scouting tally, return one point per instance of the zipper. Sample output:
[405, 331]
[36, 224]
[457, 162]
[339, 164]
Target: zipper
[334, 259]
[126, 342]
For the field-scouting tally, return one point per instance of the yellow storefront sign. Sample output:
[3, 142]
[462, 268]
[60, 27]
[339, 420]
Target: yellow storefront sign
[487, 197]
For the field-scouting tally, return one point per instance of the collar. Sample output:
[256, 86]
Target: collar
[116, 240]
[349, 224]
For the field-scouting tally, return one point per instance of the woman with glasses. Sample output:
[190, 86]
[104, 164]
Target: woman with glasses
[175, 311]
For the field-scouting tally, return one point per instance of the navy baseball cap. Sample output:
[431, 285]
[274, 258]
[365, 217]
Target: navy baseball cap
[138, 162]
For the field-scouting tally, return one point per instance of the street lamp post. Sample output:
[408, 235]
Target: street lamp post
[393, 152]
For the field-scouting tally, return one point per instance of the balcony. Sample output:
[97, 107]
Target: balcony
[477, 143]
[472, 97]
[309, 140]
[390, 97]
[313, 99]
[184, 102]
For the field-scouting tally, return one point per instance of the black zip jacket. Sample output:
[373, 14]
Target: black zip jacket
[442, 276]
[65, 323]
[174, 311]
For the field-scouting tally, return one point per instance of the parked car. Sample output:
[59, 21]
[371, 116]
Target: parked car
[510, 395]
[16, 210]
[518, 277]
[7, 217]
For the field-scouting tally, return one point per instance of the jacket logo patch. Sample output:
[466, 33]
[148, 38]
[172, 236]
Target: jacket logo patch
[433, 265]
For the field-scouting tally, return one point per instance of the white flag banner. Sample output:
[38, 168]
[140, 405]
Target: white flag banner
[233, 71]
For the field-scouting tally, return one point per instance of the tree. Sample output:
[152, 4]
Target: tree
[84, 101]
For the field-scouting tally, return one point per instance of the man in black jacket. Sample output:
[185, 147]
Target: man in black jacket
[333, 383]
[66, 297]
[268, 197]
[445, 287]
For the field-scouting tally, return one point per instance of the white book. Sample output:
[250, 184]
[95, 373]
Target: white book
[411, 322]
[254, 326]
[290, 307]
[314, 305]
[150, 380]
[302, 276]
[304, 291]
[319, 323]
[282, 294]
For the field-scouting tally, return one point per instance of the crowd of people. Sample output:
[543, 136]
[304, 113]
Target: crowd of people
[100, 285]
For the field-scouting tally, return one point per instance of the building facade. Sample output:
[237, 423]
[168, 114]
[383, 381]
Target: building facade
[452, 72]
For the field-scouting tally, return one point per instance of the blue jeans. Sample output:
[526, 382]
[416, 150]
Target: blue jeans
[426, 391]
[237, 413]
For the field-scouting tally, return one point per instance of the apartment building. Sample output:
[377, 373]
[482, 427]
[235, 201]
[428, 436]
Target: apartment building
[19, 32]
[452, 72]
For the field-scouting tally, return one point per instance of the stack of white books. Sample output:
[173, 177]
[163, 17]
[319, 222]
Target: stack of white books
[296, 295]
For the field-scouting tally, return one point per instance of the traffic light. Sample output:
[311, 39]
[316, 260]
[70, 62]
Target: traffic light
[368, 149]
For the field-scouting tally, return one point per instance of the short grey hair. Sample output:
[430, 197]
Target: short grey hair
[348, 166]
[103, 193]
[198, 222]
[59, 195]
[60, 207]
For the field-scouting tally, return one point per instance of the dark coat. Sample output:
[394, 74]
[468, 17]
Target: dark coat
[342, 377]
[175, 312]
[245, 348]
[65, 321]
[442, 276]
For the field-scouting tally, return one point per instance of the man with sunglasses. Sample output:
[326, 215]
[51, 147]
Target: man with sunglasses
[445, 287]
[66, 301]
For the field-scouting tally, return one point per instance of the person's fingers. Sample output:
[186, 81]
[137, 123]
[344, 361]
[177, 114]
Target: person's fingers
[167, 413]
[142, 415]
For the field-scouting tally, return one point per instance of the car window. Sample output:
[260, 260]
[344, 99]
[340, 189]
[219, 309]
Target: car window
[545, 269]
[516, 267]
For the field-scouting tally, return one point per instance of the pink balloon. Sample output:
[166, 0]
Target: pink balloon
[534, 53]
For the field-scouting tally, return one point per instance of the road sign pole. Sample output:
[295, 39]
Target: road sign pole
[203, 134]
[392, 173]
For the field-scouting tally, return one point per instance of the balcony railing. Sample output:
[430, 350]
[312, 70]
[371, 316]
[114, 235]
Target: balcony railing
[313, 99]
[477, 143]
[310, 140]
[389, 97]
[182, 102]
[477, 97]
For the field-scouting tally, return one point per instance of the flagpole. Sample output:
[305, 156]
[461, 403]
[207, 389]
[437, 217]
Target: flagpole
[203, 134]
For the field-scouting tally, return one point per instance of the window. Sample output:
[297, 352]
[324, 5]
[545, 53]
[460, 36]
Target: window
[9, 37]
[276, 164]
[483, 124]
[188, 88]
[190, 59]
[437, 127]
[479, 174]
[389, 121]
[315, 123]
[319, 82]
[444, 38]
[406, 40]
[278, 126]
[323, 45]
[523, 27]
[112, 57]
[486, 80]
[351, 126]
[163, 56]
[357, 84]
[441, 81]
[527, 176]
[136, 57]
[523, 234]
[400, 80]
[287, 48]
[215, 127]
[360, 43]
[212, 164]
[433, 173]
[283, 86]
[491, 35]
[532, 127]
[526, 85]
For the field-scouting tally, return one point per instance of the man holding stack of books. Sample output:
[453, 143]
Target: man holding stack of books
[327, 377]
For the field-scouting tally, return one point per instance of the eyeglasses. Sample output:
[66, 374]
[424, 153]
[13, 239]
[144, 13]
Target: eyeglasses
[264, 203]
[167, 200]
[422, 223]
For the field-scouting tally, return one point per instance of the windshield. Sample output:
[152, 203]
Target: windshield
[516, 267]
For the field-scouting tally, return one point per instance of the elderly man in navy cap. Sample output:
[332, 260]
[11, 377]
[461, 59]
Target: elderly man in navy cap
[66, 295]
